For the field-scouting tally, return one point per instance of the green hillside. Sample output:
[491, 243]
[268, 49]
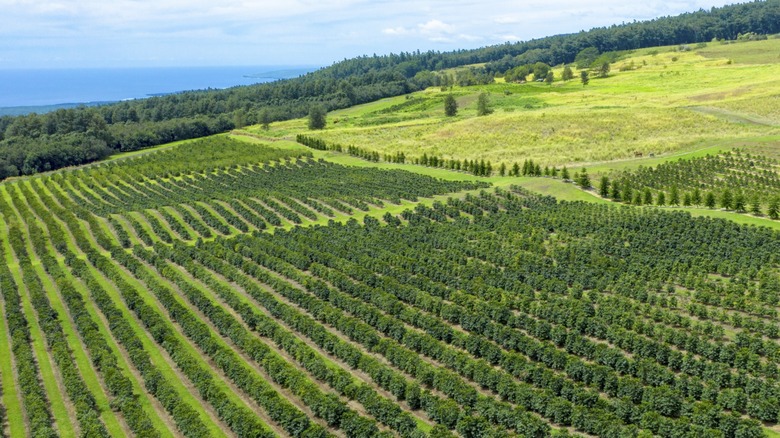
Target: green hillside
[656, 101]
[248, 285]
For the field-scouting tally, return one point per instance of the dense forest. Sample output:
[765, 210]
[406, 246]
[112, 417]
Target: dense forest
[35, 143]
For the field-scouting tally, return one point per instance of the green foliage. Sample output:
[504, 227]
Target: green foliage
[473, 76]
[265, 119]
[739, 202]
[584, 77]
[647, 196]
[517, 74]
[586, 57]
[540, 71]
[686, 199]
[567, 74]
[696, 196]
[604, 69]
[33, 394]
[582, 179]
[516, 297]
[350, 296]
[483, 105]
[733, 180]
[117, 383]
[755, 205]
[263, 192]
[450, 106]
[614, 191]
[674, 196]
[317, 117]
[709, 200]
[197, 156]
[773, 211]
[727, 199]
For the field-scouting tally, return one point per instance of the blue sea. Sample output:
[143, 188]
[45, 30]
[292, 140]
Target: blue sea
[24, 90]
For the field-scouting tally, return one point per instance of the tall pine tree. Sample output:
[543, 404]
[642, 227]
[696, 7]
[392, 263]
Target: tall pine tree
[450, 106]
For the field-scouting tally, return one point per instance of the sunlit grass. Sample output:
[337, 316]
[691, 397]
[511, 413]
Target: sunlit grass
[764, 106]
[665, 101]
[550, 137]
[754, 52]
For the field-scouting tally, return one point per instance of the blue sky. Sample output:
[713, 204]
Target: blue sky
[125, 33]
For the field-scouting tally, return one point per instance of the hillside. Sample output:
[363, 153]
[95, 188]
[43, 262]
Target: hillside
[36, 143]
[654, 101]
[656, 105]
[248, 285]
[154, 294]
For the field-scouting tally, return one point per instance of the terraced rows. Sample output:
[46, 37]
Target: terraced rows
[103, 342]
[137, 304]
[236, 200]
[548, 342]
[732, 180]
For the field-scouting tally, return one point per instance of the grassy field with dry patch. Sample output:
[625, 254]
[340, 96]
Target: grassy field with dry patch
[655, 101]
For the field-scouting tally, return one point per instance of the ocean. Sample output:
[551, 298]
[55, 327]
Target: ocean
[40, 90]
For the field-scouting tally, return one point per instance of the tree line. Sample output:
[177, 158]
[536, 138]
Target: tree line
[734, 180]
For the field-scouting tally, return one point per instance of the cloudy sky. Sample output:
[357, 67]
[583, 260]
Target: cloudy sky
[122, 33]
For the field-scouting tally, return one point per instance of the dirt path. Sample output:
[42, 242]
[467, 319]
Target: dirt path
[733, 116]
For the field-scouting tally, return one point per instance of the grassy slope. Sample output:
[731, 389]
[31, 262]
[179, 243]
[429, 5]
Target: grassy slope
[673, 104]
[662, 106]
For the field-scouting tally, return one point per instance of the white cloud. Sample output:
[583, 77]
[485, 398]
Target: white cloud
[400, 30]
[188, 32]
[435, 27]
[434, 30]
[467, 37]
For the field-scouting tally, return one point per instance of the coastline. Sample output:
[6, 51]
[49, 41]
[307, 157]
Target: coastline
[25, 91]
